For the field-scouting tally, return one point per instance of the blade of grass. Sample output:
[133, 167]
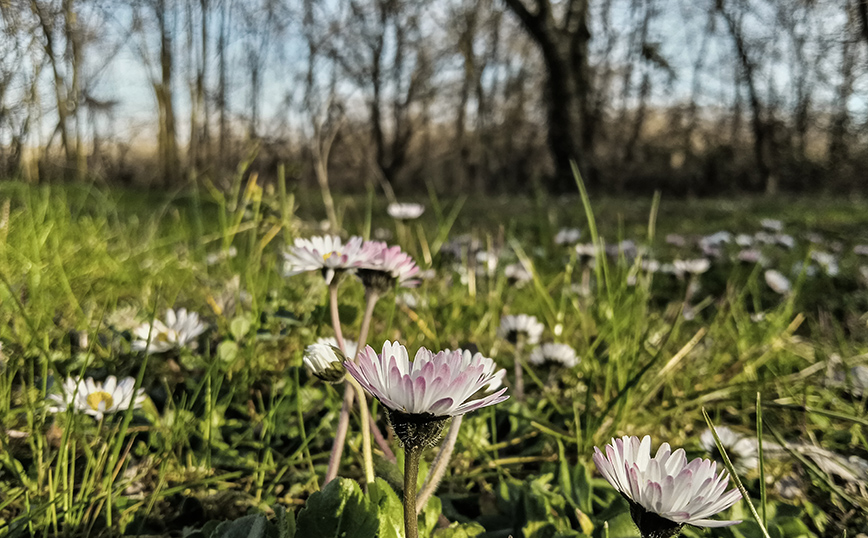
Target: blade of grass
[728, 464]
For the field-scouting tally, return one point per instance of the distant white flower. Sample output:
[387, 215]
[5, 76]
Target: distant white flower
[777, 282]
[96, 398]
[567, 236]
[651, 265]
[743, 240]
[350, 346]
[693, 267]
[861, 250]
[214, 258]
[487, 260]
[827, 261]
[326, 253]
[717, 238]
[517, 273]
[742, 450]
[751, 255]
[383, 234]
[440, 384]
[665, 492]
[784, 240]
[772, 224]
[179, 330]
[405, 211]
[324, 361]
[427, 274]
[810, 270]
[676, 239]
[854, 380]
[668, 268]
[588, 250]
[626, 247]
[764, 237]
[561, 353]
[511, 327]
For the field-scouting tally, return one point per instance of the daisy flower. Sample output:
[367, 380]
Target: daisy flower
[511, 327]
[567, 236]
[405, 211]
[517, 273]
[742, 450]
[693, 267]
[95, 398]
[384, 266]
[665, 492]
[428, 389]
[561, 353]
[777, 282]
[326, 253]
[179, 330]
[772, 224]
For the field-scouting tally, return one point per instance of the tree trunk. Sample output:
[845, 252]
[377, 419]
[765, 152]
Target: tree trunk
[564, 49]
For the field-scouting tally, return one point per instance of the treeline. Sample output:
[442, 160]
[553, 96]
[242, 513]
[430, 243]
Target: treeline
[693, 97]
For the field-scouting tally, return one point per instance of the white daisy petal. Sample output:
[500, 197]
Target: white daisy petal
[666, 485]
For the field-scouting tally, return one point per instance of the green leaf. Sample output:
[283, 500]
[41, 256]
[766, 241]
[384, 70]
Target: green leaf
[285, 522]
[339, 511]
[459, 530]
[253, 526]
[622, 526]
[239, 327]
[430, 516]
[390, 511]
[227, 351]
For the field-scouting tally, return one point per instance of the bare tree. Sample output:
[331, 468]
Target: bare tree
[760, 128]
[381, 48]
[563, 42]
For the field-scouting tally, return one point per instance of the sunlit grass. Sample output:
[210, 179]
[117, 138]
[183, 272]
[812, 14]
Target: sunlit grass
[237, 424]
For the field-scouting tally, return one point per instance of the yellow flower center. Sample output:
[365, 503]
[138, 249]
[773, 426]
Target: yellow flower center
[325, 257]
[96, 398]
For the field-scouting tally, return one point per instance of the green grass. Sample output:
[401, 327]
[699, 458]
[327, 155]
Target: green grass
[238, 425]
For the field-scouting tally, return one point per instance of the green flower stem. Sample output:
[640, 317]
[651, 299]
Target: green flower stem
[438, 466]
[411, 472]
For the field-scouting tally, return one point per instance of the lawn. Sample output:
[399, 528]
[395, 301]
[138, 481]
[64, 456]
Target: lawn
[224, 431]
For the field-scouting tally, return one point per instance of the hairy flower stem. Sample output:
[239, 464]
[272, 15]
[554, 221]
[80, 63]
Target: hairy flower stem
[438, 466]
[350, 394]
[336, 318]
[366, 431]
[519, 372]
[411, 472]
[371, 298]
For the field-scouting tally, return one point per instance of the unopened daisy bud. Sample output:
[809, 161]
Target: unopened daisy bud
[325, 362]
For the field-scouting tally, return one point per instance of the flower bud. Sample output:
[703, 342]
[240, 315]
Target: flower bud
[325, 362]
